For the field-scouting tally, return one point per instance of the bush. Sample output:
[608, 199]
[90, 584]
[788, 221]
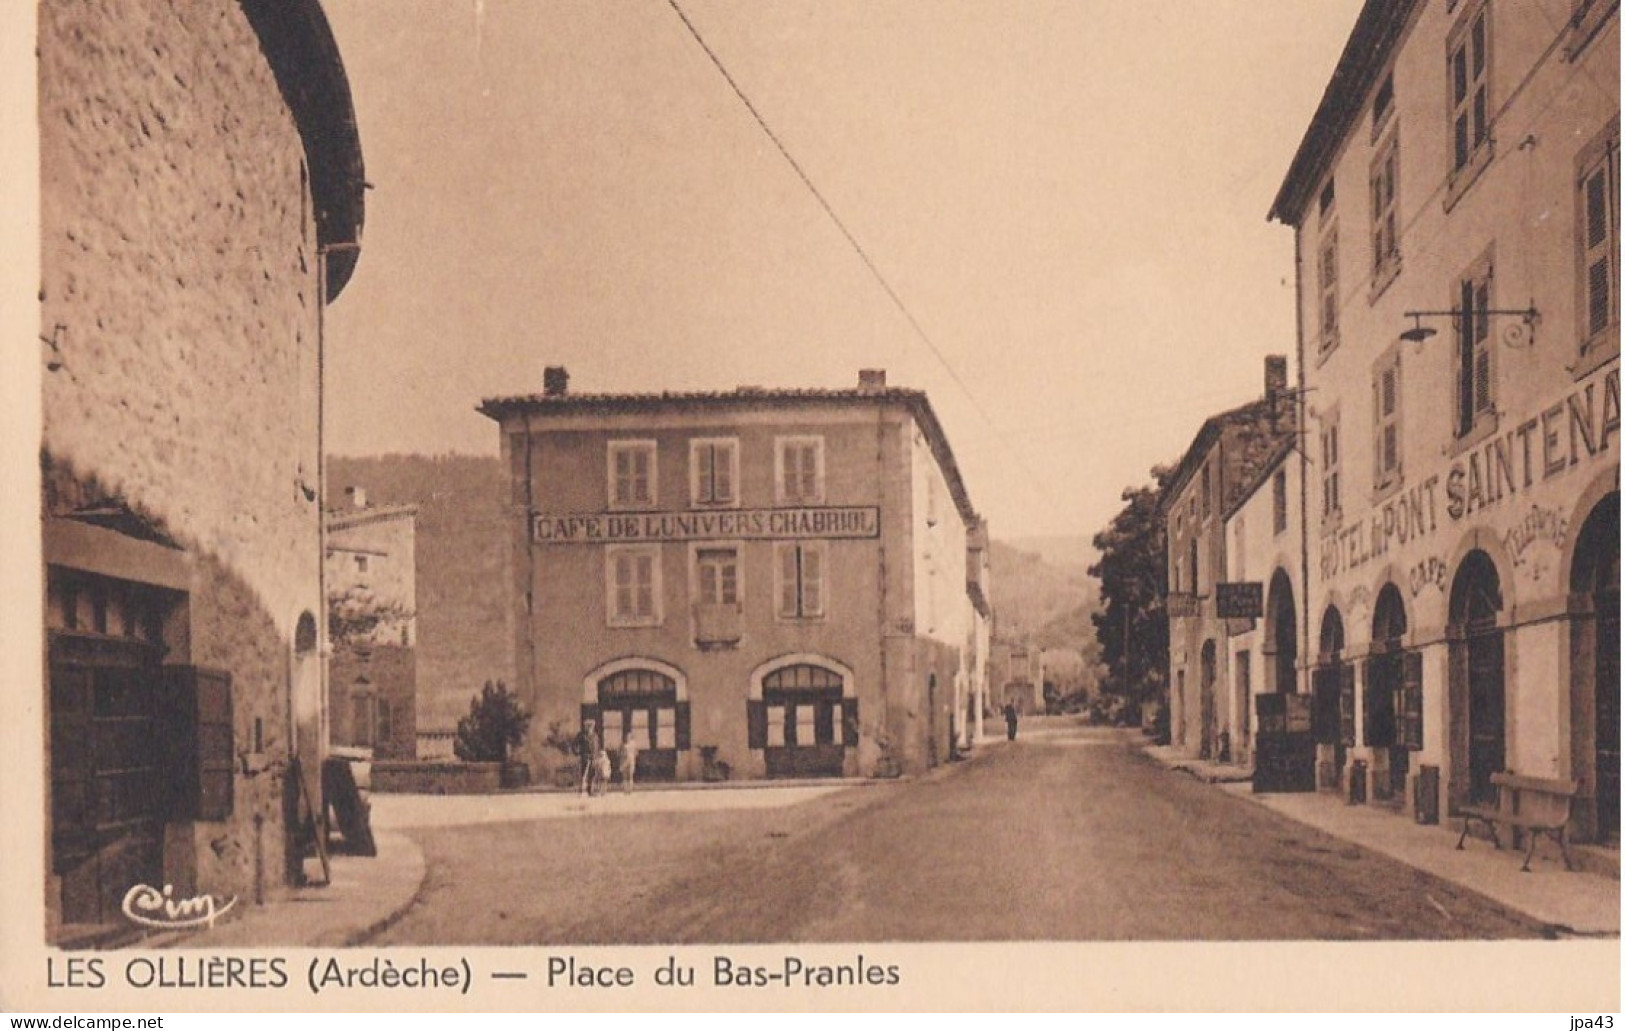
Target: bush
[495, 723]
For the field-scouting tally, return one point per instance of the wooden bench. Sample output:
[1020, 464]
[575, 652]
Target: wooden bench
[1533, 805]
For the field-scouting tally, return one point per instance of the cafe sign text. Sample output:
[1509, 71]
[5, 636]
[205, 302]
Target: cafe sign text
[773, 524]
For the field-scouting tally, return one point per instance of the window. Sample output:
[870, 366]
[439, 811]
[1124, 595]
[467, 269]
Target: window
[1589, 16]
[713, 471]
[1196, 574]
[386, 721]
[1207, 491]
[1597, 232]
[1278, 489]
[1474, 389]
[716, 571]
[1382, 105]
[1328, 290]
[361, 563]
[800, 580]
[1331, 495]
[634, 585]
[1385, 213]
[1468, 52]
[1328, 199]
[799, 470]
[1385, 398]
[631, 474]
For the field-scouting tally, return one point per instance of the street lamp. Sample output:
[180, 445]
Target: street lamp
[1419, 333]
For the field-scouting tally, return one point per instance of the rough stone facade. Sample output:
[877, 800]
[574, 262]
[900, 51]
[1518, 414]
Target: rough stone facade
[180, 300]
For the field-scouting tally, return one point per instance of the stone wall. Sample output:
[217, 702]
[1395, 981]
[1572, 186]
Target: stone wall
[436, 778]
[179, 293]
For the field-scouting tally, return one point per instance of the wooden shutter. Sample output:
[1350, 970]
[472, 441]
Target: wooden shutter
[683, 721]
[812, 580]
[1323, 686]
[705, 472]
[198, 717]
[1345, 703]
[849, 722]
[1597, 228]
[722, 481]
[1410, 717]
[756, 723]
[788, 576]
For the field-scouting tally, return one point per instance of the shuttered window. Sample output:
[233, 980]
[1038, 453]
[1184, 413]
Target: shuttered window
[632, 474]
[1597, 225]
[800, 470]
[714, 471]
[1385, 211]
[1474, 386]
[633, 574]
[1469, 63]
[1328, 290]
[1385, 403]
[1331, 497]
[800, 579]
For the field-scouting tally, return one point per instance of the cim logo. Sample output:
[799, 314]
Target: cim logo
[149, 907]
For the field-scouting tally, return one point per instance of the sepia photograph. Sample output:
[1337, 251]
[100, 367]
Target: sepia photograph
[528, 498]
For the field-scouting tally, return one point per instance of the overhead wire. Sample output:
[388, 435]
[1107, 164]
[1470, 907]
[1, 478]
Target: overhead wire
[1035, 481]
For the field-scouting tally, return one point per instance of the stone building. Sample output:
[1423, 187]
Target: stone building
[1223, 464]
[1455, 208]
[372, 624]
[1263, 532]
[790, 583]
[201, 200]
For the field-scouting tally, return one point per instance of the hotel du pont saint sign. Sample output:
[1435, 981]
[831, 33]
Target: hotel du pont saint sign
[745, 524]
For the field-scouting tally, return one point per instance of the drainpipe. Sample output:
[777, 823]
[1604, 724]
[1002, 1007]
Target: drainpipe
[1300, 413]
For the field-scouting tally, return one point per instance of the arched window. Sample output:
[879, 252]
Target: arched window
[803, 722]
[642, 703]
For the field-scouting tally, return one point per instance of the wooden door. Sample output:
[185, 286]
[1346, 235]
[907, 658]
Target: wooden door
[1486, 714]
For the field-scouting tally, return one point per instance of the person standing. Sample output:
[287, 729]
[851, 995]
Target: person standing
[586, 750]
[1011, 715]
[629, 761]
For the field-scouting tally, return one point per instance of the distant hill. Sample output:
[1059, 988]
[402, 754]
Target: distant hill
[1047, 601]
[1059, 550]
[462, 587]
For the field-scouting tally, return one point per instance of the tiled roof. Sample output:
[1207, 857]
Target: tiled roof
[753, 397]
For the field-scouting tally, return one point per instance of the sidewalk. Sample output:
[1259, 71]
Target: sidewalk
[367, 894]
[1568, 902]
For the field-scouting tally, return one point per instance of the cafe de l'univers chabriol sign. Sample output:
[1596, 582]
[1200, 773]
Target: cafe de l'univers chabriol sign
[769, 524]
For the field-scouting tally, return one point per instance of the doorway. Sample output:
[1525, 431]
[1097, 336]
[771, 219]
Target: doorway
[1595, 577]
[1479, 652]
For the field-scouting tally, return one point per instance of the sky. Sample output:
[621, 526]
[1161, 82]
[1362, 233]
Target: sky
[1069, 197]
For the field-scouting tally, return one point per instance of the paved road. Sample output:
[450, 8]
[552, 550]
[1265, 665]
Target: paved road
[1066, 836]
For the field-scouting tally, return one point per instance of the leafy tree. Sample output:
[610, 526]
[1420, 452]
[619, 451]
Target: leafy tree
[1132, 621]
[495, 723]
[354, 616]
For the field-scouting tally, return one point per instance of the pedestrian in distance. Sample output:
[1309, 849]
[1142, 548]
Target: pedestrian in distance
[629, 761]
[1011, 715]
[600, 771]
[586, 747]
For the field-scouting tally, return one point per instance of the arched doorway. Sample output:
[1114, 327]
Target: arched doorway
[641, 699]
[1281, 636]
[1595, 578]
[1385, 695]
[1332, 683]
[1478, 662]
[804, 720]
[1210, 667]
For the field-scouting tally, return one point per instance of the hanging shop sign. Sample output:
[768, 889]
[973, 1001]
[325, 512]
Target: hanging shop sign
[1241, 600]
[773, 524]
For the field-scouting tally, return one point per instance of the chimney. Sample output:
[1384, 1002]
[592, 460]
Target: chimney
[871, 380]
[1274, 376]
[555, 381]
[357, 496]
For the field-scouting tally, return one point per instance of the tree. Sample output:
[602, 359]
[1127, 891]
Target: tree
[355, 616]
[1132, 622]
[495, 723]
